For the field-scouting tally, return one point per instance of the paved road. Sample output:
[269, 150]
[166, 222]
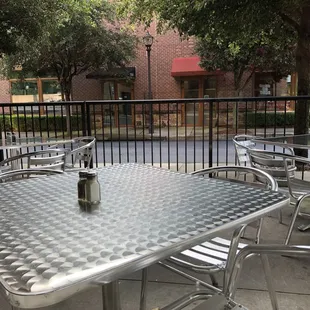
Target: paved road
[163, 152]
[178, 152]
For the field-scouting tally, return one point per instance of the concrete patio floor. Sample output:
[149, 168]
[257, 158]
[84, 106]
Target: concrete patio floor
[291, 277]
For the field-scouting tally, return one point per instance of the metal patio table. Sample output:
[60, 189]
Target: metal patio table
[51, 249]
[293, 141]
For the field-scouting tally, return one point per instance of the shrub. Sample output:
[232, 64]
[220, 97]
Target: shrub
[39, 123]
[269, 119]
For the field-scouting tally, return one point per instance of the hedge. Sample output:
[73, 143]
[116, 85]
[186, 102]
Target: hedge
[269, 119]
[36, 123]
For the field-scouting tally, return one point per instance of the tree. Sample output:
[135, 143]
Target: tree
[24, 19]
[84, 39]
[244, 59]
[241, 21]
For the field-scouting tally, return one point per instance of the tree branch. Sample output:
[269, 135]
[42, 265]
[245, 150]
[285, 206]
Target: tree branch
[248, 79]
[291, 22]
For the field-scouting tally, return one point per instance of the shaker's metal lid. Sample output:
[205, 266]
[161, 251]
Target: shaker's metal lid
[83, 174]
[91, 173]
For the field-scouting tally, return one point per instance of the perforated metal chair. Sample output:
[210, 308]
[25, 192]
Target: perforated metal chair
[82, 153]
[217, 299]
[49, 159]
[242, 143]
[282, 167]
[211, 257]
[26, 173]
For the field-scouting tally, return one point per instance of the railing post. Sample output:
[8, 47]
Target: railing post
[210, 133]
[88, 127]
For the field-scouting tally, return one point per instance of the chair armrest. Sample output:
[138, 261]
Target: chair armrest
[262, 249]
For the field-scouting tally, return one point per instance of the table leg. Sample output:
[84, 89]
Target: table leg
[110, 296]
[14, 164]
[144, 284]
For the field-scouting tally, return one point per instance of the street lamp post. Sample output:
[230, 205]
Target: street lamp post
[148, 41]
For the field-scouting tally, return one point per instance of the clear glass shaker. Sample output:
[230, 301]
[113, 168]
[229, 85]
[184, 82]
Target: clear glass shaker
[92, 188]
[81, 188]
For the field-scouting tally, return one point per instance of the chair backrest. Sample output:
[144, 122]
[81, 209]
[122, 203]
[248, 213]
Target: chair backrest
[50, 159]
[242, 143]
[274, 164]
[26, 173]
[266, 179]
[84, 151]
[288, 164]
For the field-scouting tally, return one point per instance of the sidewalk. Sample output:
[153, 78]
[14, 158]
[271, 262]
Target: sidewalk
[185, 133]
[167, 133]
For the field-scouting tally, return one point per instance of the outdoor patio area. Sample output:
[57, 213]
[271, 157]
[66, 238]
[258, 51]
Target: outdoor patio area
[291, 279]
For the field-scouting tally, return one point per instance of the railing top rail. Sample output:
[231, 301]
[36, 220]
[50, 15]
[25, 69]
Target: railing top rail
[157, 101]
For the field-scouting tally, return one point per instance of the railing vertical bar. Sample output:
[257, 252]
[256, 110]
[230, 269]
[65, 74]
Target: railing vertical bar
[246, 118]
[25, 126]
[127, 134]
[168, 142]
[95, 133]
[3, 132]
[32, 122]
[203, 134]
[217, 132]
[185, 134]
[177, 137]
[135, 132]
[55, 120]
[195, 135]
[211, 133]
[111, 133]
[47, 121]
[255, 118]
[119, 134]
[103, 132]
[62, 121]
[285, 119]
[151, 124]
[159, 128]
[227, 133]
[143, 131]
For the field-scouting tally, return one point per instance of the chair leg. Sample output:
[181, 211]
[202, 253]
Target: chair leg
[143, 293]
[294, 216]
[258, 231]
[280, 217]
[213, 280]
[270, 286]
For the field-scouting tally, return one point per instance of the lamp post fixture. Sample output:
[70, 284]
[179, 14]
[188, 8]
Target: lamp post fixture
[148, 41]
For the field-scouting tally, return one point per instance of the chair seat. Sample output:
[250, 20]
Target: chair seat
[213, 252]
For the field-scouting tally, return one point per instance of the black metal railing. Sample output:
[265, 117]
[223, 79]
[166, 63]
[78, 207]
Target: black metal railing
[188, 133]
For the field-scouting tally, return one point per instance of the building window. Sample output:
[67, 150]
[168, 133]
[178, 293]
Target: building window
[23, 92]
[264, 84]
[35, 90]
[197, 87]
[120, 114]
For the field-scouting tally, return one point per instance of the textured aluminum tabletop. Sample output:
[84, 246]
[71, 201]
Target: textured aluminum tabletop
[51, 249]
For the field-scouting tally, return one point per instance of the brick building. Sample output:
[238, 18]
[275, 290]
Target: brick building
[175, 73]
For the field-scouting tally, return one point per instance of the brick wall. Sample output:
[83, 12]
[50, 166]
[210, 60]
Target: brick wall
[5, 96]
[165, 48]
[86, 89]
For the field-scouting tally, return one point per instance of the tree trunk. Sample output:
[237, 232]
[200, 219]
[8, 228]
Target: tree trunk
[303, 70]
[66, 87]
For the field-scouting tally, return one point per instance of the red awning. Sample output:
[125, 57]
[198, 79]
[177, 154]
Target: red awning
[188, 66]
